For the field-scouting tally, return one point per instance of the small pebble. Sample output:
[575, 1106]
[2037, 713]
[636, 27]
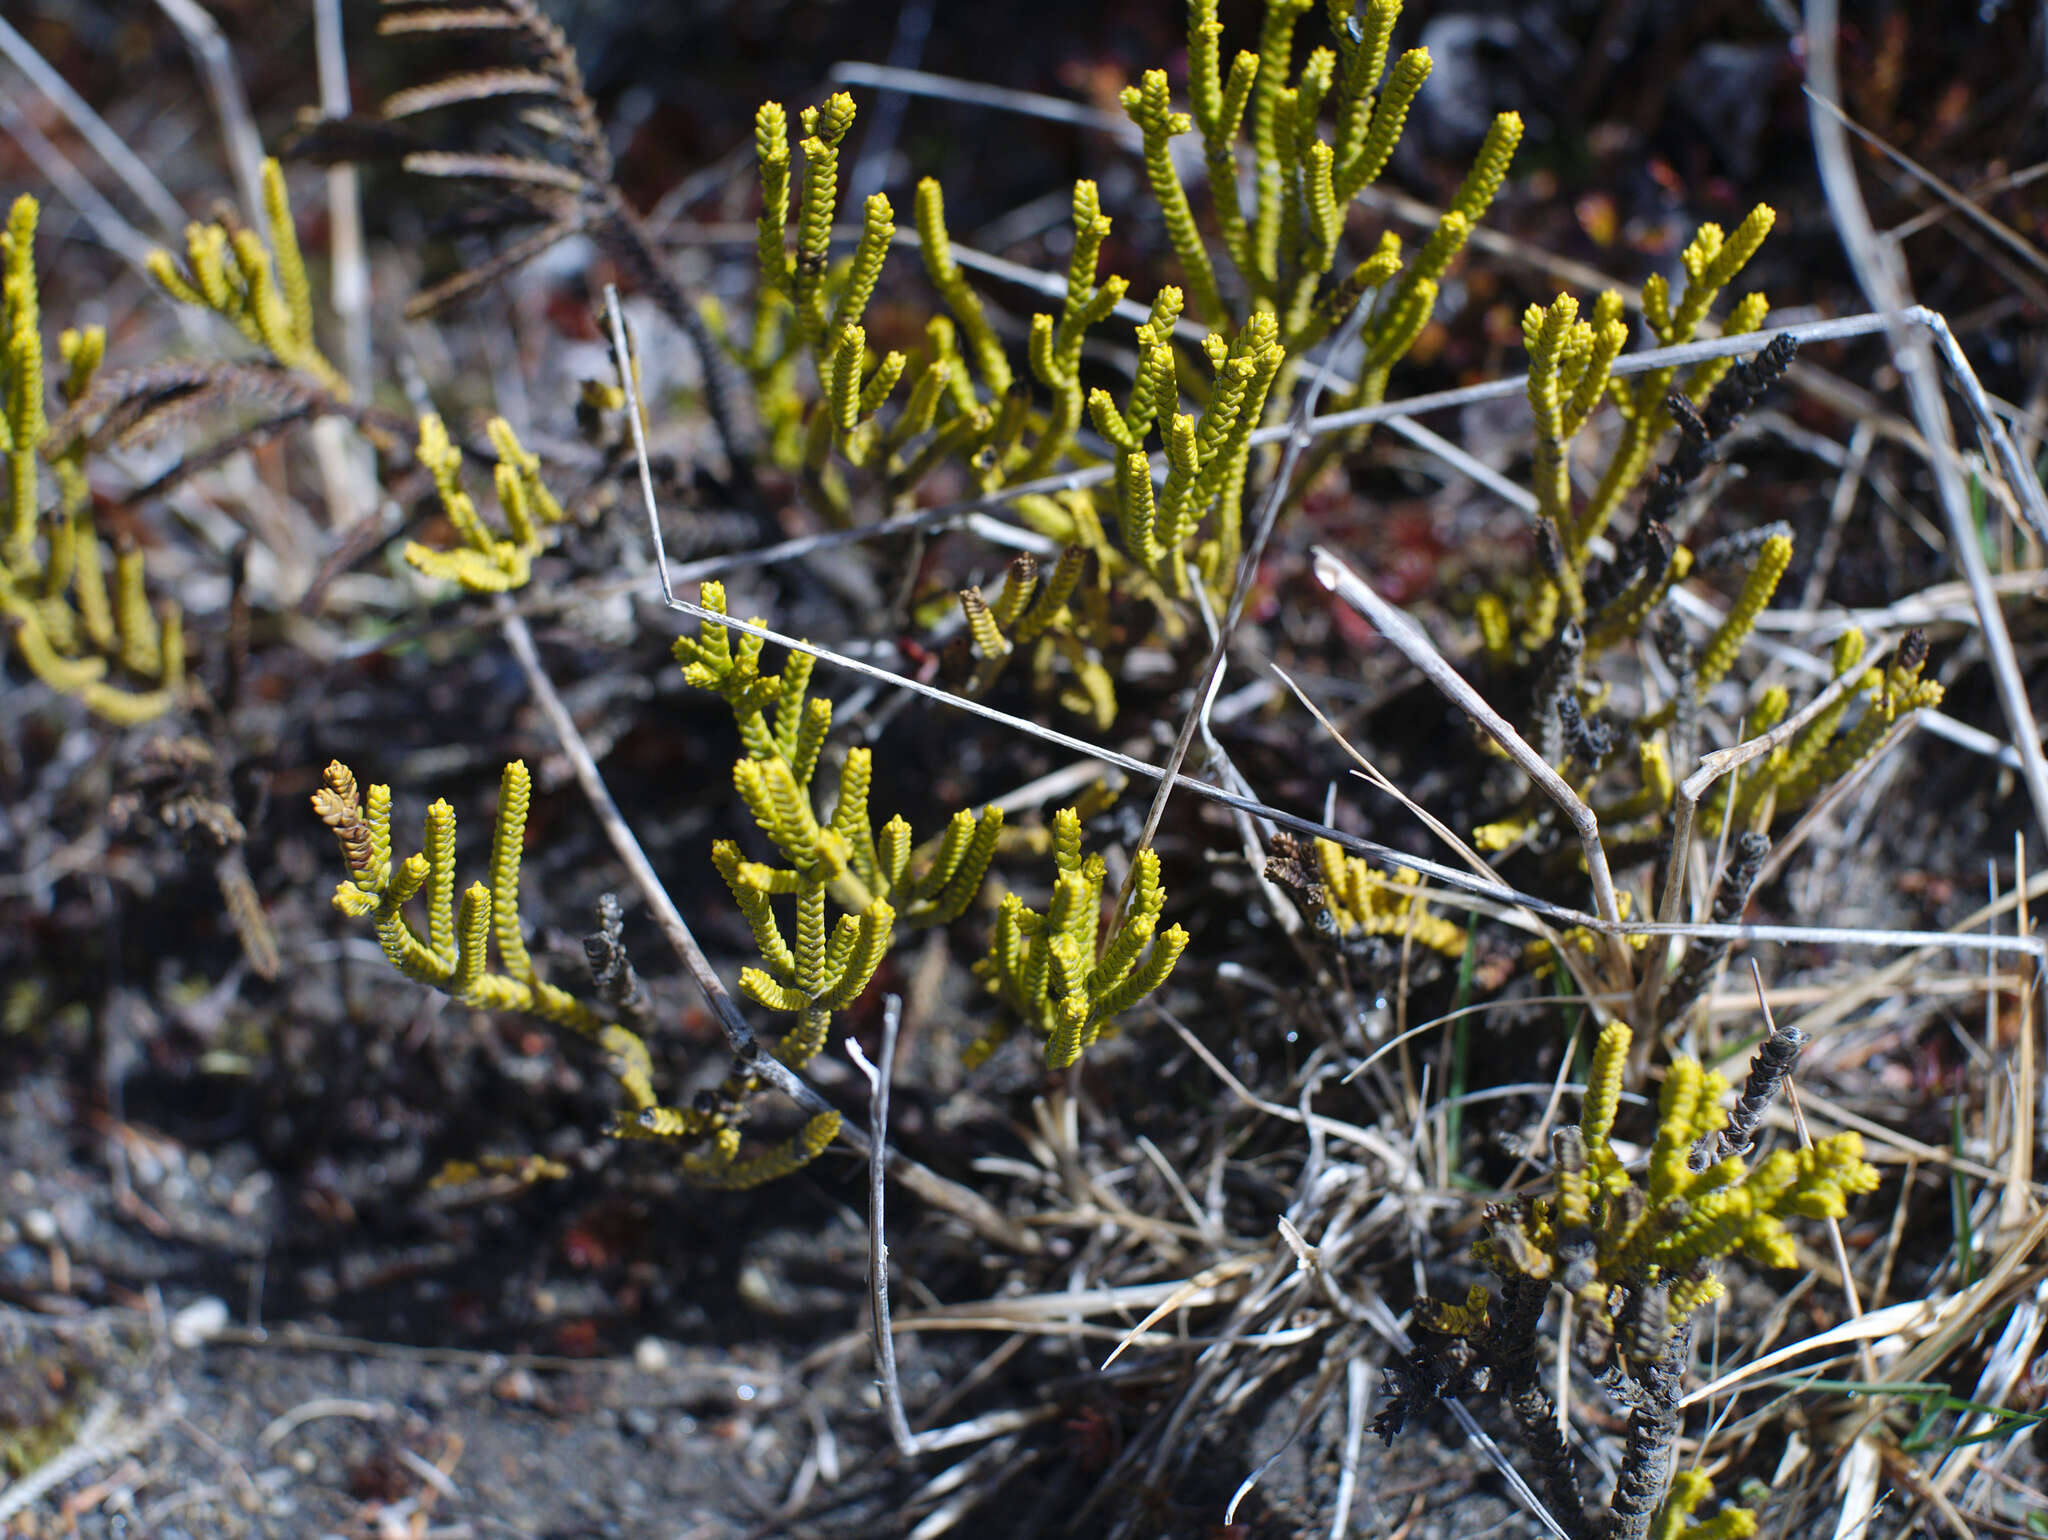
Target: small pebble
[519, 1387]
[198, 1322]
[650, 1355]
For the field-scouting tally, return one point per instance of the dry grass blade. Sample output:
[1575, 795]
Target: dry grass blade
[2013, 1212]
[106, 143]
[1188, 1291]
[1858, 1485]
[1880, 270]
[1908, 1316]
[1997, 229]
[1034, 104]
[1937, 1328]
[1334, 574]
[1358, 1401]
[1850, 1294]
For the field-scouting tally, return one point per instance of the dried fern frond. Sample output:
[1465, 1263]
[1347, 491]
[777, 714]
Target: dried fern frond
[126, 407]
[564, 182]
[550, 70]
[476, 86]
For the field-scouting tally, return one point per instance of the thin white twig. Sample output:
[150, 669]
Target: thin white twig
[2026, 486]
[1997, 229]
[878, 1076]
[622, 360]
[348, 289]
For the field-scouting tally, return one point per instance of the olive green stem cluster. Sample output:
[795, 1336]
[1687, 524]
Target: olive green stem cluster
[1028, 614]
[1265, 282]
[1363, 902]
[864, 872]
[1638, 1256]
[1674, 1519]
[67, 623]
[1283, 246]
[1711, 261]
[485, 564]
[1609, 1238]
[838, 861]
[1569, 360]
[454, 954]
[1570, 364]
[1048, 968]
[263, 292]
[1206, 460]
[1825, 751]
